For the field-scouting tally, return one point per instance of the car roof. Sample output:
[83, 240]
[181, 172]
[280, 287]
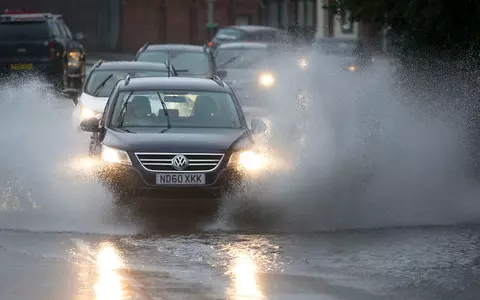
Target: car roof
[131, 65]
[336, 39]
[173, 83]
[252, 28]
[243, 45]
[173, 47]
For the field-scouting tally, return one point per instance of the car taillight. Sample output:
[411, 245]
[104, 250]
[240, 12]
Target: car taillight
[52, 47]
[210, 44]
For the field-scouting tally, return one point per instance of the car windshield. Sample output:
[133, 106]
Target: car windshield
[184, 109]
[18, 31]
[229, 34]
[240, 58]
[339, 48]
[101, 83]
[185, 62]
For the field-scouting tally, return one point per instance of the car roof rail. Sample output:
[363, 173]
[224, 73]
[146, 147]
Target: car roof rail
[218, 80]
[26, 16]
[127, 79]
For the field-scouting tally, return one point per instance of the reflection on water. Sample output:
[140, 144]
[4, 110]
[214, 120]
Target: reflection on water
[244, 278]
[248, 258]
[109, 283]
[98, 273]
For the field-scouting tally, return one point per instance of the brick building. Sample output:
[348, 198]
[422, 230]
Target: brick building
[179, 21]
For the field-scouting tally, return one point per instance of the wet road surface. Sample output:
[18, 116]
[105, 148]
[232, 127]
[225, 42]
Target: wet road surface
[422, 263]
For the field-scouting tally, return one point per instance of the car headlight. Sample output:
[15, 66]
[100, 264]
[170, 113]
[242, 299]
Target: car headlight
[74, 59]
[116, 156]
[247, 160]
[303, 63]
[352, 68]
[87, 113]
[266, 80]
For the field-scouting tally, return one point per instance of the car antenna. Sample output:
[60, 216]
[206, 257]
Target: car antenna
[98, 63]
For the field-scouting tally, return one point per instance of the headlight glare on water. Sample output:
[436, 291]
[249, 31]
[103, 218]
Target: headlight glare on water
[115, 156]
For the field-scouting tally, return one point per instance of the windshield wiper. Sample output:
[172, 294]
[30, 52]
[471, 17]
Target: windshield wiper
[165, 110]
[101, 85]
[123, 112]
[229, 61]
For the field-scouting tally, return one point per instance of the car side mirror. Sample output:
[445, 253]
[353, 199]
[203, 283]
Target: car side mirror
[71, 94]
[79, 36]
[258, 126]
[90, 125]
[222, 74]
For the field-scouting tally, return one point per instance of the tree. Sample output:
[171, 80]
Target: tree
[439, 27]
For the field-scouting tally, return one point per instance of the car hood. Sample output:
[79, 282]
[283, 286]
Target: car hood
[94, 103]
[175, 140]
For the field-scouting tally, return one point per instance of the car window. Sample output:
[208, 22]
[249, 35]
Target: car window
[55, 30]
[229, 34]
[61, 28]
[19, 31]
[185, 62]
[239, 58]
[185, 109]
[109, 78]
[264, 36]
[67, 31]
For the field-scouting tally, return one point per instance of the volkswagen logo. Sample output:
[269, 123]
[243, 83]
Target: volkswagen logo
[180, 162]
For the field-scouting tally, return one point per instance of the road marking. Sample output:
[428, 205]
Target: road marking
[134, 286]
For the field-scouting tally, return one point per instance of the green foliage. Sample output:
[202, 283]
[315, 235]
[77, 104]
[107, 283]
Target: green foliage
[430, 26]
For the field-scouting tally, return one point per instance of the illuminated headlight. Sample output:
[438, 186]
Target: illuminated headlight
[74, 59]
[352, 68]
[266, 80]
[115, 156]
[247, 160]
[303, 63]
[87, 113]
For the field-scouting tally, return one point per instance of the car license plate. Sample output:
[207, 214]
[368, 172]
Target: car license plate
[180, 179]
[19, 67]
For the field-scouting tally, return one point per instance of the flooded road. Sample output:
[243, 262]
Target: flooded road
[48, 204]
[422, 263]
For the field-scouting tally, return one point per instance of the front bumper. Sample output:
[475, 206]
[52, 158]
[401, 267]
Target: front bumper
[141, 183]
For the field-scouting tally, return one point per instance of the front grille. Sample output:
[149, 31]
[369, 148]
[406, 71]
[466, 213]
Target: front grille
[197, 162]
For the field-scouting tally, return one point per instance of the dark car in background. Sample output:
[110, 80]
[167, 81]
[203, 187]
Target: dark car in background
[249, 33]
[41, 44]
[173, 138]
[351, 55]
[258, 72]
[188, 60]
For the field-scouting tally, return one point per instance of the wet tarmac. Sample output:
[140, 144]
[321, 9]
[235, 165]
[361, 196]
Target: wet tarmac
[417, 263]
